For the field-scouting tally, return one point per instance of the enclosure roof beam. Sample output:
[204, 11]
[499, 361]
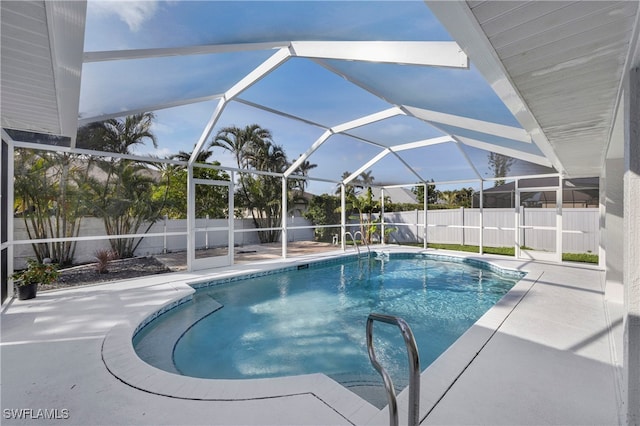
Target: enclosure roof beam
[161, 52]
[511, 152]
[367, 119]
[314, 146]
[365, 166]
[508, 132]
[427, 53]
[273, 62]
[358, 122]
[156, 107]
[422, 143]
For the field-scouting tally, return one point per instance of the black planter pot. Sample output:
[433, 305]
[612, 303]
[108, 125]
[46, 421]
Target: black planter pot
[28, 291]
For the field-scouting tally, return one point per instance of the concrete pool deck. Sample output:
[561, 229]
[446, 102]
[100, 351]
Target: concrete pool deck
[544, 355]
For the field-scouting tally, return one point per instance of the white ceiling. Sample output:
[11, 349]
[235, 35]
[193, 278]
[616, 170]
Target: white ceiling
[557, 66]
[564, 62]
[41, 65]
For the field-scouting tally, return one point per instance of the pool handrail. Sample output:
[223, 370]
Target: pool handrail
[414, 368]
[363, 240]
[354, 241]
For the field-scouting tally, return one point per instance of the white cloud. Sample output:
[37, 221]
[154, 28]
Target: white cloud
[133, 13]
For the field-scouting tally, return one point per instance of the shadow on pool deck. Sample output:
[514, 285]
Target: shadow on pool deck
[249, 253]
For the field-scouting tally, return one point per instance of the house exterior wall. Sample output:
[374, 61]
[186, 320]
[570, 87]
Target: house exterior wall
[631, 250]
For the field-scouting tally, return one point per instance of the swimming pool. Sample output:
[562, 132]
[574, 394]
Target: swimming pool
[312, 320]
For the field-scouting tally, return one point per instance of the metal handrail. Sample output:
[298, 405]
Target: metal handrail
[354, 241]
[414, 368]
[363, 240]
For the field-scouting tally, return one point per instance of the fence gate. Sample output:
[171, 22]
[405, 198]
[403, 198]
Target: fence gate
[539, 223]
[211, 224]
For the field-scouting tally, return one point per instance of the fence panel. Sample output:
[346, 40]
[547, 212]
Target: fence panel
[91, 226]
[582, 230]
[581, 227]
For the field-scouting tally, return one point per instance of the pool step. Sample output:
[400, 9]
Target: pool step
[156, 348]
[368, 387]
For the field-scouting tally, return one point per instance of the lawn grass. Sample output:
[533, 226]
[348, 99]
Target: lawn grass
[509, 251]
[580, 257]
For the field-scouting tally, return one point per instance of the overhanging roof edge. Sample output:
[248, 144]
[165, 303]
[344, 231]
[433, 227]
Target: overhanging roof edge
[458, 19]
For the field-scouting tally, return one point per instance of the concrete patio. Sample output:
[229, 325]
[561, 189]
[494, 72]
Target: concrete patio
[546, 354]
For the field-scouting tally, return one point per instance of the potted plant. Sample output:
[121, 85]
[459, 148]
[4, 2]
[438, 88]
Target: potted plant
[27, 280]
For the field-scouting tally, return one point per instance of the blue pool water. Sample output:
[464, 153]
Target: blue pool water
[313, 320]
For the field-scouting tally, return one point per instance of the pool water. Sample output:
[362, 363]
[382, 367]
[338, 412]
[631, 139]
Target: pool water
[313, 320]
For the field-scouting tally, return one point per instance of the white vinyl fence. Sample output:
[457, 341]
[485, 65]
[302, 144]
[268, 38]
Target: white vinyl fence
[245, 233]
[580, 228]
[580, 235]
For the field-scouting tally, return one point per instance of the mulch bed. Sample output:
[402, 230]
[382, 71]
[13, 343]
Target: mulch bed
[117, 270]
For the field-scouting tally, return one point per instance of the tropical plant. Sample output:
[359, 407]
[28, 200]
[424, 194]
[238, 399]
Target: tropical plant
[238, 141]
[323, 210]
[172, 190]
[449, 197]
[123, 197]
[349, 190]
[103, 257]
[500, 164]
[259, 194]
[303, 170]
[125, 204]
[364, 206]
[36, 273]
[432, 193]
[50, 198]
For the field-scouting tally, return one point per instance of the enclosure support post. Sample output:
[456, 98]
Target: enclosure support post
[462, 221]
[424, 218]
[191, 209]
[284, 233]
[343, 216]
[481, 205]
[559, 202]
[382, 216]
[6, 213]
[516, 228]
[232, 219]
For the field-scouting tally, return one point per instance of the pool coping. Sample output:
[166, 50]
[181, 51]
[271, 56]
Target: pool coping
[121, 360]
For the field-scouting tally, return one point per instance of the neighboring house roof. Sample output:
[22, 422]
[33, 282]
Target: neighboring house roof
[397, 195]
[592, 182]
[583, 192]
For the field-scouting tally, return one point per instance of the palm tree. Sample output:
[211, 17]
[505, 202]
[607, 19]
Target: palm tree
[253, 148]
[500, 164]
[211, 200]
[450, 197]
[123, 199]
[303, 170]
[238, 141]
[49, 195]
[266, 156]
[366, 180]
[202, 157]
[349, 189]
[120, 135]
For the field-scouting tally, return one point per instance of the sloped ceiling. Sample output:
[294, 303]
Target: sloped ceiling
[564, 62]
[42, 45]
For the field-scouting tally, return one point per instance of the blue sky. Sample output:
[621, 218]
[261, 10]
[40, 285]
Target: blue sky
[300, 86]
